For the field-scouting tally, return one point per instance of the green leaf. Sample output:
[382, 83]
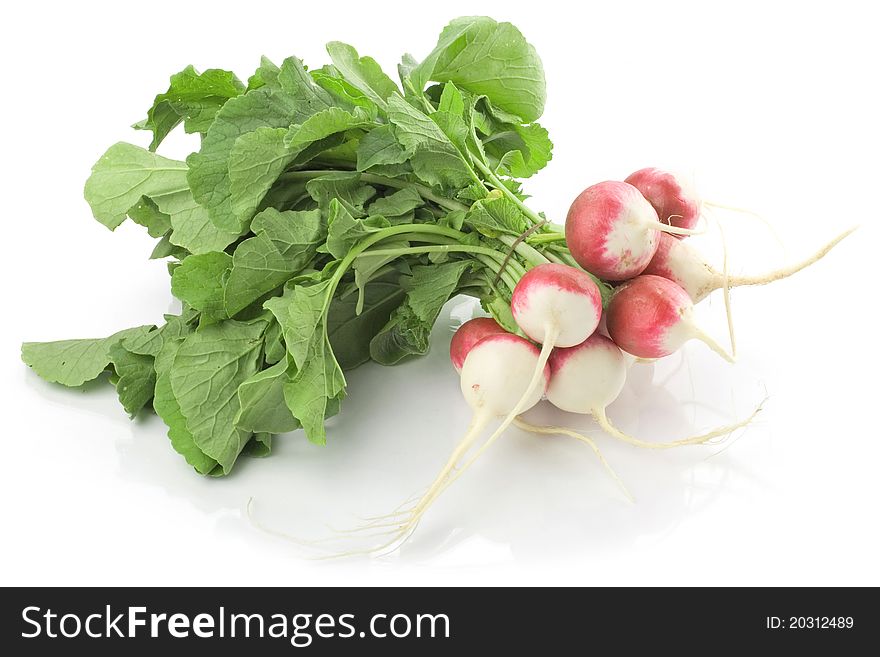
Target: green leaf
[274, 346]
[351, 328]
[397, 204]
[283, 245]
[430, 287]
[435, 158]
[331, 80]
[256, 160]
[409, 328]
[145, 343]
[206, 373]
[146, 213]
[137, 378]
[496, 216]
[451, 100]
[126, 173]
[345, 231]
[166, 406]
[73, 362]
[316, 390]
[380, 146]
[259, 157]
[258, 446]
[300, 311]
[193, 98]
[345, 188]
[261, 401]
[199, 281]
[362, 73]
[292, 98]
[499, 308]
[318, 385]
[308, 98]
[323, 124]
[265, 75]
[521, 150]
[487, 58]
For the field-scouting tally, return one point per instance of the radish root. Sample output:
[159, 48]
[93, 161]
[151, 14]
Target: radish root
[602, 419]
[785, 272]
[563, 431]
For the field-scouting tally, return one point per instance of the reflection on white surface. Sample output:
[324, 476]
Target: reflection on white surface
[529, 496]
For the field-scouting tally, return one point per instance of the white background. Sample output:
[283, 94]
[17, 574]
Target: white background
[771, 106]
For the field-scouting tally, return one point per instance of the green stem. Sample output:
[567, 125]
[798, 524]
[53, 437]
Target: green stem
[552, 257]
[529, 253]
[372, 239]
[564, 256]
[544, 238]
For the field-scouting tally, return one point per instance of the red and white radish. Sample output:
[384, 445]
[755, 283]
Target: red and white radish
[651, 317]
[612, 231]
[465, 338]
[555, 305]
[469, 334]
[672, 197]
[495, 380]
[588, 377]
[505, 375]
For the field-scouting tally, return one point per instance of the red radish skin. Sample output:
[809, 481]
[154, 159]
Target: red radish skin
[547, 292]
[611, 230]
[469, 334]
[652, 317]
[671, 196]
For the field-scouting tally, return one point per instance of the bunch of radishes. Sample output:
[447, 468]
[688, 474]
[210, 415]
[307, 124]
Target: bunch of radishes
[626, 233]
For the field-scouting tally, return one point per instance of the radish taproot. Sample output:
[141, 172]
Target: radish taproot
[613, 231]
[651, 317]
[684, 265]
[588, 377]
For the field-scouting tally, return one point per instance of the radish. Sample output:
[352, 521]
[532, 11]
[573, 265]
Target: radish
[555, 305]
[651, 317]
[672, 197]
[588, 377]
[612, 231]
[495, 381]
[474, 330]
[469, 334]
[504, 375]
